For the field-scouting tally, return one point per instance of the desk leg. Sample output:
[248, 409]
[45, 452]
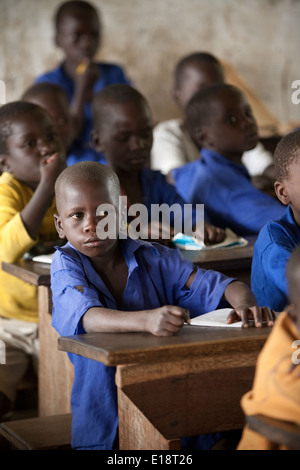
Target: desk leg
[55, 369]
[136, 432]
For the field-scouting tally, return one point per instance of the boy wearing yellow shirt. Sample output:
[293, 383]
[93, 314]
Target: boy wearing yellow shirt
[31, 158]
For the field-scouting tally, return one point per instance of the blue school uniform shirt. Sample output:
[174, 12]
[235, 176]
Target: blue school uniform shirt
[108, 74]
[157, 190]
[273, 247]
[156, 276]
[225, 189]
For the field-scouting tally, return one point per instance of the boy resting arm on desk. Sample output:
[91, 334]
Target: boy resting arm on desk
[104, 282]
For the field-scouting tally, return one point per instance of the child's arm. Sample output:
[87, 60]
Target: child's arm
[33, 213]
[162, 321]
[242, 299]
[85, 76]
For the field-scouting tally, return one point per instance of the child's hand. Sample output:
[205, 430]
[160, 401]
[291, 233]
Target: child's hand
[258, 315]
[213, 235]
[51, 166]
[85, 76]
[166, 320]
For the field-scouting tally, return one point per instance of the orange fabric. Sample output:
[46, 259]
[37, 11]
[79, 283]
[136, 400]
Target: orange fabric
[276, 386]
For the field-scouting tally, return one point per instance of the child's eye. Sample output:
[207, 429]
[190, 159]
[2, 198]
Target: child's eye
[52, 136]
[77, 215]
[102, 213]
[29, 143]
[232, 119]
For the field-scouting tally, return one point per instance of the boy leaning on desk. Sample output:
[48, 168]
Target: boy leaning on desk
[119, 285]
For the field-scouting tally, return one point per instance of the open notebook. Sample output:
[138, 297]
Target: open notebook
[185, 242]
[216, 318]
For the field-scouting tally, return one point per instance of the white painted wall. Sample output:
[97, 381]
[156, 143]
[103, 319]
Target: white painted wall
[260, 38]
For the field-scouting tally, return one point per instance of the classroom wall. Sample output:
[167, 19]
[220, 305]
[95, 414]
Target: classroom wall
[260, 38]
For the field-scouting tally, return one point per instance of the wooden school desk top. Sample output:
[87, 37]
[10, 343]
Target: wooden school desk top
[126, 348]
[38, 273]
[35, 273]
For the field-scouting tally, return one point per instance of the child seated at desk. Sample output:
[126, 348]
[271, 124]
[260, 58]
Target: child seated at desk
[276, 387]
[281, 235]
[31, 158]
[54, 100]
[78, 35]
[104, 283]
[221, 123]
[173, 145]
[123, 133]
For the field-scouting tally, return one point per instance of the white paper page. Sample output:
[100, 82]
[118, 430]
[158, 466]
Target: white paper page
[215, 318]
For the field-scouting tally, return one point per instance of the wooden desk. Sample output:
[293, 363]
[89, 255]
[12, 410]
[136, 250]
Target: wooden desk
[55, 374]
[234, 262]
[175, 386]
[55, 369]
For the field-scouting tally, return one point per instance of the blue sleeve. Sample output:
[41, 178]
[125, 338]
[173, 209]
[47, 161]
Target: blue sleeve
[171, 271]
[268, 276]
[205, 294]
[69, 303]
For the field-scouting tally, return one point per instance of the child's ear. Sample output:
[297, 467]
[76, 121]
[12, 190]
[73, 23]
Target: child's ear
[58, 226]
[96, 141]
[282, 192]
[4, 165]
[199, 136]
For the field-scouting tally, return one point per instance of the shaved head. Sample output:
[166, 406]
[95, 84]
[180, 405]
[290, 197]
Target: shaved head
[85, 172]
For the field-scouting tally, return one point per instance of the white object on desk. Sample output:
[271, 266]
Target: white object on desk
[43, 258]
[185, 242]
[216, 318]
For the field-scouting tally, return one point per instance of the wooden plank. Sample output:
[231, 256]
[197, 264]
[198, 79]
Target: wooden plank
[29, 271]
[125, 348]
[48, 433]
[56, 372]
[135, 430]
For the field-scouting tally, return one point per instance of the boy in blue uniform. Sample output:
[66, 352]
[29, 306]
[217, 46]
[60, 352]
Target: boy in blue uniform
[123, 132]
[279, 237]
[120, 285]
[221, 123]
[78, 34]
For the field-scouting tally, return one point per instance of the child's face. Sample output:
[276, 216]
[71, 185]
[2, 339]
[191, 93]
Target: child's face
[79, 36]
[78, 219]
[58, 109]
[231, 129]
[126, 137]
[196, 77]
[288, 191]
[34, 137]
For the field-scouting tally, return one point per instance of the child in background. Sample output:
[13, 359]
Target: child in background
[31, 158]
[54, 100]
[114, 284]
[281, 235]
[221, 123]
[123, 133]
[78, 34]
[276, 387]
[173, 145]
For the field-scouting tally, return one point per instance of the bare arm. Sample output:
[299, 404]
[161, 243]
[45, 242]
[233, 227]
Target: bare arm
[162, 321]
[34, 212]
[243, 301]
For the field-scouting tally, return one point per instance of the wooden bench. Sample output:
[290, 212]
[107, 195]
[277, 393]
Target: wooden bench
[43, 433]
